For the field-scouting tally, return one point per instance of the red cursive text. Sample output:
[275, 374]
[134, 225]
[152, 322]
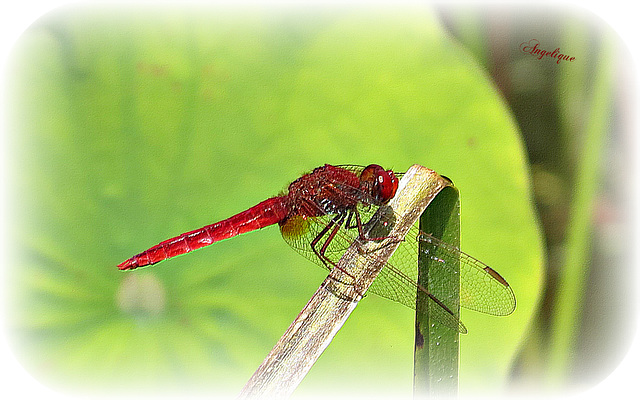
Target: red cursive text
[532, 47]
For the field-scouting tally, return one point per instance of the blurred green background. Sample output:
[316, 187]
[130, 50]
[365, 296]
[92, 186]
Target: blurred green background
[131, 125]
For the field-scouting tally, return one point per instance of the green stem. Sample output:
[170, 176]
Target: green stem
[573, 274]
[437, 346]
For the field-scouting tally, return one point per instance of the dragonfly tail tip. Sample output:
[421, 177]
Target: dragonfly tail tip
[129, 264]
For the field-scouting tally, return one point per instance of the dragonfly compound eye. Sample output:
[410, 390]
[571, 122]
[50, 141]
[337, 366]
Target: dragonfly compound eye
[381, 184]
[386, 186]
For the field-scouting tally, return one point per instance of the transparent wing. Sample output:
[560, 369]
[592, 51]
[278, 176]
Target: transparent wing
[481, 288]
[300, 233]
[396, 283]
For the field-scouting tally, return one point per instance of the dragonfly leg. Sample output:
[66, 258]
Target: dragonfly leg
[332, 235]
[348, 223]
[363, 236]
[314, 243]
[332, 228]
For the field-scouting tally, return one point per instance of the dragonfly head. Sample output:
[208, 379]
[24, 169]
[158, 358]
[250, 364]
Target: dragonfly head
[381, 185]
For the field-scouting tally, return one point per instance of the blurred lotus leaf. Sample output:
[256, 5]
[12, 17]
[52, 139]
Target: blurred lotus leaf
[132, 126]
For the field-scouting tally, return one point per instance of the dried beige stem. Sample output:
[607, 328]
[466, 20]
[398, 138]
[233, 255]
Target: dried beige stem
[325, 313]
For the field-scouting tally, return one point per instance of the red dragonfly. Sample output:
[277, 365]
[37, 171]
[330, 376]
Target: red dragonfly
[323, 212]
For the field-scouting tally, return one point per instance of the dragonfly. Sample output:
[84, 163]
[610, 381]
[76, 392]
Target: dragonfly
[323, 212]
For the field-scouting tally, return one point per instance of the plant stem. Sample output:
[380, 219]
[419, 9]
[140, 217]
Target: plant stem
[325, 313]
[437, 346]
[572, 276]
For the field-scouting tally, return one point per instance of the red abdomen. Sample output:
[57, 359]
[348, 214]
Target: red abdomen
[269, 212]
